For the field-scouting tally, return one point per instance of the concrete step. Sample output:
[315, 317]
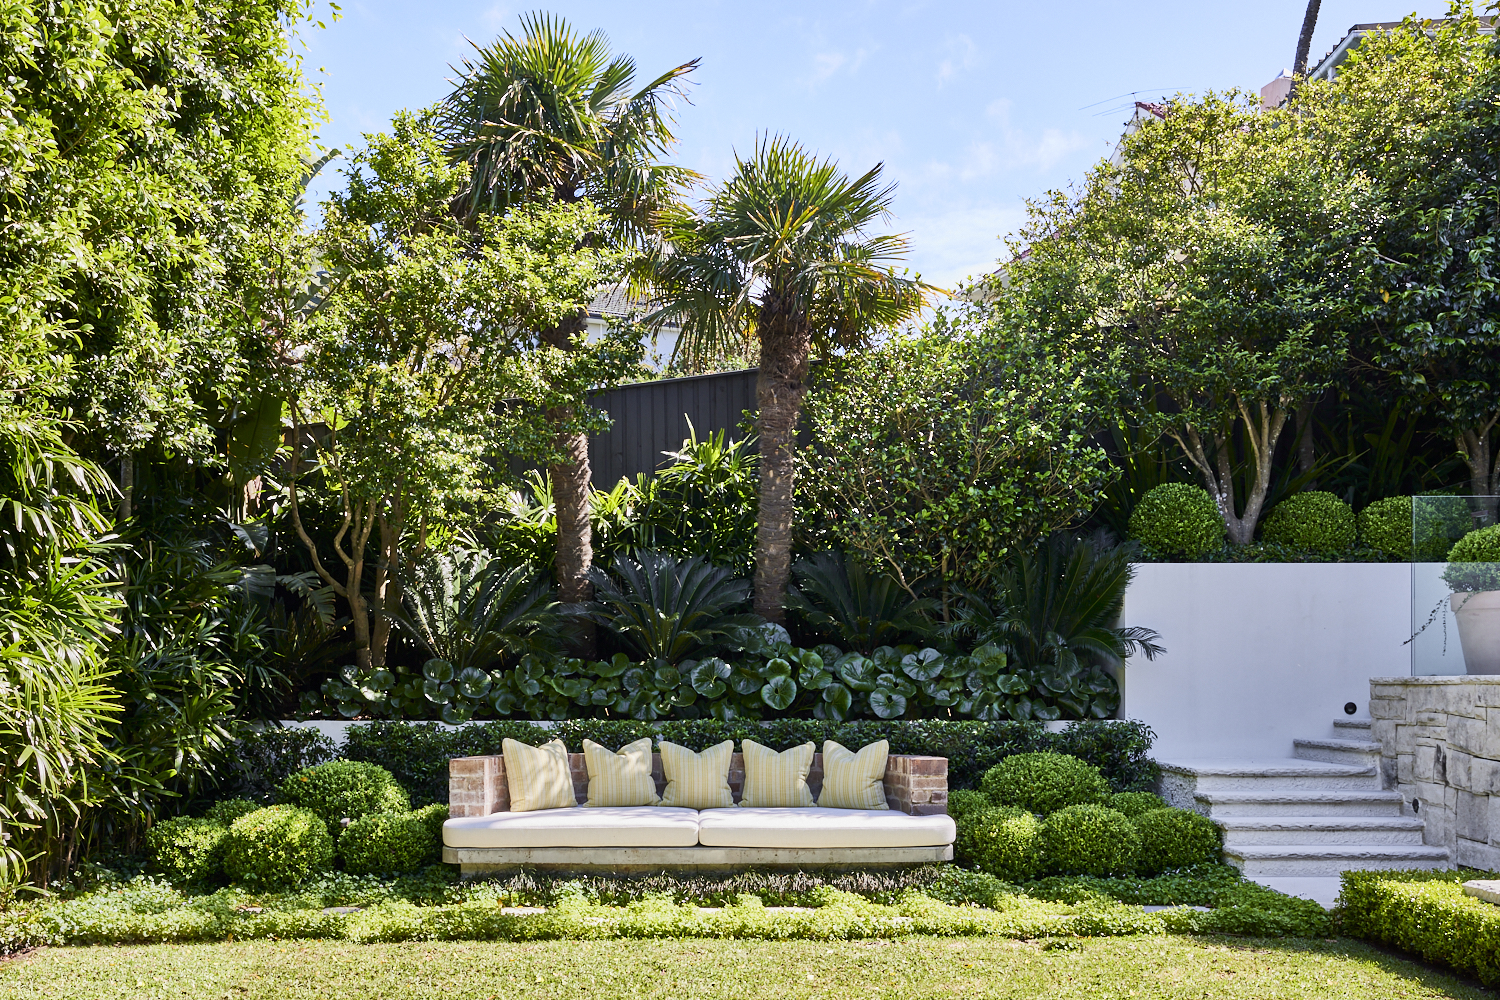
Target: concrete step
[1183, 778]
[1305, 860]
[1364, 831]
[1221, 805]
[1354, 753]
[1353, 729]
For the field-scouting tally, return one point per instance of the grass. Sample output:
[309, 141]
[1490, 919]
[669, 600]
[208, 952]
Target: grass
[911, 968]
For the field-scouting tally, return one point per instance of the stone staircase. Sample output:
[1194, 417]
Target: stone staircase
[1321, 812]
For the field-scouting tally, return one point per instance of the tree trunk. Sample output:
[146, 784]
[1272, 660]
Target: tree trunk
[780, 386]
[1304, 40]
[1484, 469]
[1307, 458]
[1263, 426]
[570, 497]
[127, 485]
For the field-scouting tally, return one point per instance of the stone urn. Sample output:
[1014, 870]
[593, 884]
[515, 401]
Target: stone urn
[1478, 615]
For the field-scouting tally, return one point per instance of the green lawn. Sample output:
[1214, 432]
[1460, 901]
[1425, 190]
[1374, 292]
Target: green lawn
[1158, 966]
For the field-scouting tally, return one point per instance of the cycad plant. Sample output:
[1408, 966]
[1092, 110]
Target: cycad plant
[667, 608]
[837, 597]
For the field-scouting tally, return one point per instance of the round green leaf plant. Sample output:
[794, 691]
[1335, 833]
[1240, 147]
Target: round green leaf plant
[1474, 561]
[186, 848]
[1178, 519]
[277, 845]
[1314, 522]
[227, 811]
[383, 843]
[1044, 782]
[345, 789]
[1386, 526]
[964, 801]
[1175, 838]
[1002, 841]
[1090, 840]
[1135, 804]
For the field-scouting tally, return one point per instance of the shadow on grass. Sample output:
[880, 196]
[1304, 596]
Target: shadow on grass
[1438, 978]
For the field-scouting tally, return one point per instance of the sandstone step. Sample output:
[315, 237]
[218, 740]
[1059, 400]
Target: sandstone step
[1352, 728]
[1364, 831]
[1183, 778]
[1355, 753]
[1302, 860]
[1315, 803]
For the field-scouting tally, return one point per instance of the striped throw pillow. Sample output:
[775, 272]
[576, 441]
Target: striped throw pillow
[620, 779]
[539, 777]
[776, 780]
[697, 780]
[854, 780]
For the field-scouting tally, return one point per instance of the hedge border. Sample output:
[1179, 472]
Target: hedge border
[1426, 913]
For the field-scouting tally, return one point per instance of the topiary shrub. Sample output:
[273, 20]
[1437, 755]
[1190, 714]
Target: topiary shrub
[1043, 782]
[187, 848]
[226, 812]
[963, 801]
[1178, 519]
[433, 817]
[345, 789]
[1474, 561]
[385, 842]
[1175, 838]
[1385, 525]
[277, 845]
[1002, 841]
[1313, 521]
[1089, 840]
[1134, 804]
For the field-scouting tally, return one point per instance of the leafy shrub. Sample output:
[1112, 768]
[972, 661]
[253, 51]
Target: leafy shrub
[1315, 521]
[385, 842]
[1474, 561]
[1178, 519]
[227, 811]
[1425, 913]
[1089, 840]
[964, 801]
[277, 845]
[1044, 782]
[1135, 804]
[1002, 841]
[837, 597]
[263, 760]
[433, 817]
[186, 849]
[344, 789]
[1175, 838]
[1386, 525]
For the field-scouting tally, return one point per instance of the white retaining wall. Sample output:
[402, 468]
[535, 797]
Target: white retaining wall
[1261, 654]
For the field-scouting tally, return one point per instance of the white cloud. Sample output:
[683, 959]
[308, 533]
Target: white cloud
[825, 65]
[951, 246]
[962, 55]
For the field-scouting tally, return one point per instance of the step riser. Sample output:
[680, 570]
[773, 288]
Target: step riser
[1333, 838]
[1330, 755]
[1225, 810]
[1323, 867]
[1286, 783]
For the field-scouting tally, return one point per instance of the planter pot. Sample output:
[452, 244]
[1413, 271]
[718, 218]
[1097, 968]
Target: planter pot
[1478, 615]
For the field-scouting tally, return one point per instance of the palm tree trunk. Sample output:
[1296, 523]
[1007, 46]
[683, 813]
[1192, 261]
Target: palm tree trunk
[780, 386]
[1304, 42]
[570, 496]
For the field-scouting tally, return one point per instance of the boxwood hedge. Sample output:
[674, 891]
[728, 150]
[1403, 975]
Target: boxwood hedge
[1426, 913]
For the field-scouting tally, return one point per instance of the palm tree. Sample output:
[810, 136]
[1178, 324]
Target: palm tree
[780, 253]
[555, 114]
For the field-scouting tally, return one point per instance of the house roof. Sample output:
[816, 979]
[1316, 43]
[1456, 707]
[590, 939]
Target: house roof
[1327, 67]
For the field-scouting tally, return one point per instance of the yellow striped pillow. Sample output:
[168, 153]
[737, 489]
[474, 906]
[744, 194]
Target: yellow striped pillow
[538, 777]
[697, 780]
[620, 779]
[776, 780]
[854, 780]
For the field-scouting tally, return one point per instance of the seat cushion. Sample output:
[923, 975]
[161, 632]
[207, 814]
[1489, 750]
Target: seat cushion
[697, 780]
[538, 777]
[606, 826]
[854, 780]
[620, 779]
[776, 780]
[819, 827]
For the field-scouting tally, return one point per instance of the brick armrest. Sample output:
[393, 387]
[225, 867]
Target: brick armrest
[917, 785]
[477, 786]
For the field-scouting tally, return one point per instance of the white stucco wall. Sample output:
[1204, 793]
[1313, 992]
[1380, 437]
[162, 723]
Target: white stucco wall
[1260, 654]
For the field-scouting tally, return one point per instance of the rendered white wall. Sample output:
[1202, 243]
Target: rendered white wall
[1261, 654]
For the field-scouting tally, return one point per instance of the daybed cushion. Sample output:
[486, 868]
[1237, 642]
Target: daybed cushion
[776, 780]
[819, 827]
[607, 826]
[538, 777]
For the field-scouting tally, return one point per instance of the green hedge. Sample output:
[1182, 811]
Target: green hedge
[1044, 782]
[417, 754]
[1177, 519]
[1316, 521]
[1426, 913]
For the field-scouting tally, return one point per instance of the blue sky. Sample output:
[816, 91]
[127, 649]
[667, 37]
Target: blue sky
[973, 107]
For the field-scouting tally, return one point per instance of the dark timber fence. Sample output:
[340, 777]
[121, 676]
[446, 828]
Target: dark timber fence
[649, 418]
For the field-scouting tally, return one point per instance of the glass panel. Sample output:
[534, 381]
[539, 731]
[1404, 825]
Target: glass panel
[1455, 607]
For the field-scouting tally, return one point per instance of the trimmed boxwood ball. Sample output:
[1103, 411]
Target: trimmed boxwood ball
[383, 843]
[345, 789]
[1090, 840]
[1314, 522]
[965, 801]
[433, 817]
[1175, 838]
[1385, 525]
[187, 848]
[1474, 561]
[1005, 842]
[1044, 782]
[1134, 804]
[1177, 519]
[277, 845]
[229, 810]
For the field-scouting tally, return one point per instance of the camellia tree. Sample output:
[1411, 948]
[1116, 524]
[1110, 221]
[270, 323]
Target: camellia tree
[781, 253]
[395, 384]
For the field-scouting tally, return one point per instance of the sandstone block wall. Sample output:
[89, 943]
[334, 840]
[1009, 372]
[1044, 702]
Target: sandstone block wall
[1440, 748]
